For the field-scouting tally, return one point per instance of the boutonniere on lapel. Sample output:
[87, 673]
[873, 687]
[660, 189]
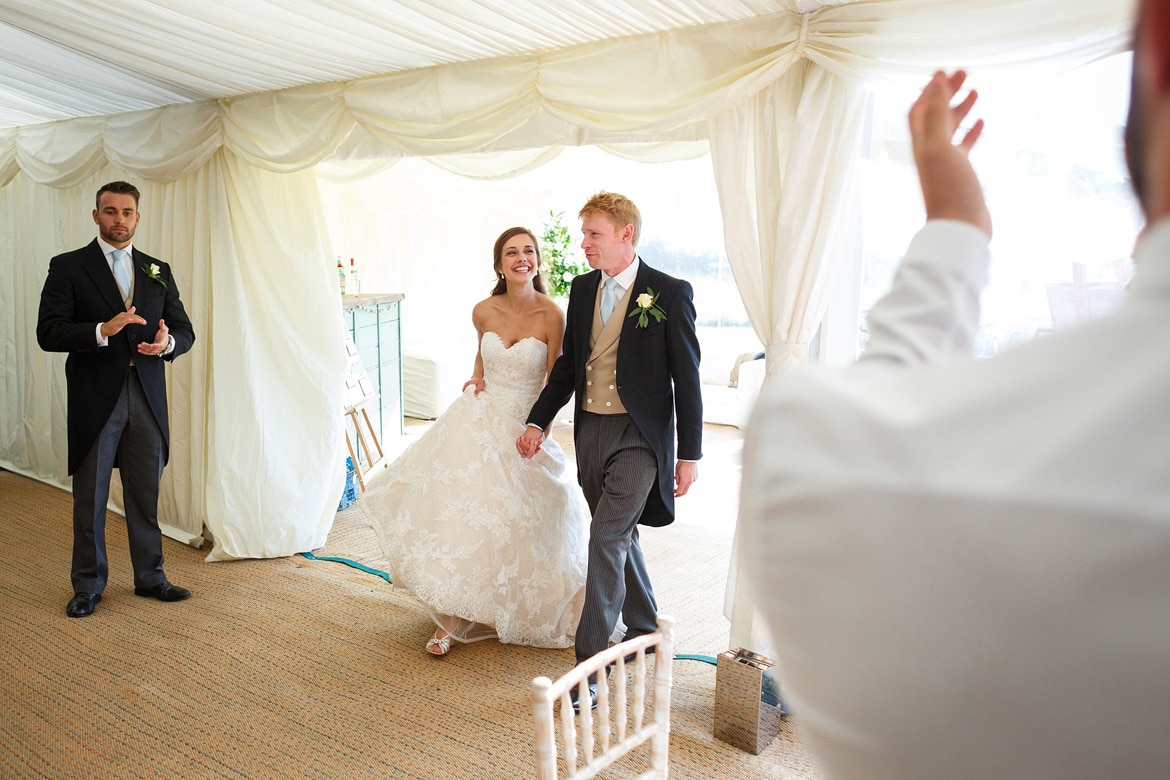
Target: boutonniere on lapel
[153, 271]
[647, 304]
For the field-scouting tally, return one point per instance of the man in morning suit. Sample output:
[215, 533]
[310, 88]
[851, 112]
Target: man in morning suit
[116, 311]
[631, 359]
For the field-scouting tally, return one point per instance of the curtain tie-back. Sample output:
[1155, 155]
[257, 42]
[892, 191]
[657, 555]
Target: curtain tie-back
[784, 355]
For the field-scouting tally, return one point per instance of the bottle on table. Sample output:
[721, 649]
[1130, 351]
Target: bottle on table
[355, 283]
[341, 274]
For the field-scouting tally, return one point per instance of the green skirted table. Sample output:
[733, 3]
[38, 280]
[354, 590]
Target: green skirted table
[374, 323]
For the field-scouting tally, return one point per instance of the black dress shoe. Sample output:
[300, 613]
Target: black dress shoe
[164, 591]
[82, 604]
[592, 697]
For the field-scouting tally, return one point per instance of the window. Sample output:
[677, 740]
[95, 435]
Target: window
[429, 233]
[1052, 164]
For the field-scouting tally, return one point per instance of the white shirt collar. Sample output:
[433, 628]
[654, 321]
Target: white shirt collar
[108, 250]
[625, 278]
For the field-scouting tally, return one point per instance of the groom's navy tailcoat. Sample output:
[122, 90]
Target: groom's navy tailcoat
[79, 293]
[657, 375]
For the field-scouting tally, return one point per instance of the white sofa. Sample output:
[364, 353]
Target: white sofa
[432, 377]
[724, 404]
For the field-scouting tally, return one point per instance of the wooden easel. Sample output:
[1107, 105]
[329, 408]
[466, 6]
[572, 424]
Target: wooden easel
[371, 461]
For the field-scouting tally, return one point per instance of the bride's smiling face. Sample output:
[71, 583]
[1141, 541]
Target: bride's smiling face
[519, 259]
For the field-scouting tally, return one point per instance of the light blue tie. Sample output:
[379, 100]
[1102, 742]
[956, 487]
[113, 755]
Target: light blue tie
[609, 299]
[122, 271]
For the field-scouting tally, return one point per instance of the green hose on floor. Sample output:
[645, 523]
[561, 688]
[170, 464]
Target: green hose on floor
[368, 570]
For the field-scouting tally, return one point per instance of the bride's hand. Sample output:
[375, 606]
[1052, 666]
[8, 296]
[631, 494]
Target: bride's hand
[477, 381]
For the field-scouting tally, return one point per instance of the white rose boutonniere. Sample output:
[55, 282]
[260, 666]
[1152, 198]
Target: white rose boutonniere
[647, 306]
[154, 272]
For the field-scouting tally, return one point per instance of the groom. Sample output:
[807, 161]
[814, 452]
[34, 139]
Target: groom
[631, 359]
[116, 311]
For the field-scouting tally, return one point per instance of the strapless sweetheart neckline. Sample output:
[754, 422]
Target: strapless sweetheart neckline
[509, 346]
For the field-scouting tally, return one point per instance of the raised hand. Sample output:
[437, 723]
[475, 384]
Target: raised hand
[950, 187]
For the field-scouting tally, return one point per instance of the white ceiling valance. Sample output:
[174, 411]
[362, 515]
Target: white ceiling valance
[655, 87]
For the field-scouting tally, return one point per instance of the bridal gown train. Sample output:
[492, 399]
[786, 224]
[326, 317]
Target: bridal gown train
[472, 529]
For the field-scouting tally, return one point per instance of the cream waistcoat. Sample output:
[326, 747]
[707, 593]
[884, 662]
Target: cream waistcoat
[601, 395]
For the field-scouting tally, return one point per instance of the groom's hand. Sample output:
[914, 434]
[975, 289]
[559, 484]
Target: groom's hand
[162, 340]
[685, 474]
[529, 444]
[119, 321]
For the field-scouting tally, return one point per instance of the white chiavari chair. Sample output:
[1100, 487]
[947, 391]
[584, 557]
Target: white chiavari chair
[616, 727]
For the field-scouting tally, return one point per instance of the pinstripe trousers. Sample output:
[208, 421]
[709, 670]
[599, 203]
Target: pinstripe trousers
[133, 437]
[618, 470]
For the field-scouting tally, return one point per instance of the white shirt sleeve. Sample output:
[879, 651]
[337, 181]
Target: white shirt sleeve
[932, 309]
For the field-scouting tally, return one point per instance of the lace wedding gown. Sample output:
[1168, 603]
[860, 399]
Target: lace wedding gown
[474, 530]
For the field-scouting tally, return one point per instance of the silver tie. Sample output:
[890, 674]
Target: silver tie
[609, 299]
[122, 272]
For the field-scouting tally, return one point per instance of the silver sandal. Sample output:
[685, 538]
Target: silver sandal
[443, 644]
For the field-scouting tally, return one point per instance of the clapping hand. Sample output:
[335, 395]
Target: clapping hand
[162, 340]
[120, 320]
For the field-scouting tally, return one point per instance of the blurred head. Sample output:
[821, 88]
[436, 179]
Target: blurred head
[1147, 130]
[517, 259]
[116, 213]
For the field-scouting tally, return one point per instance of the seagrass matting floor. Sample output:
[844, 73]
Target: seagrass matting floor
[293, 668]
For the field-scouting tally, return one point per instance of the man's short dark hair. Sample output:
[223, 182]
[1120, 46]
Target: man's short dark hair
[120, 187]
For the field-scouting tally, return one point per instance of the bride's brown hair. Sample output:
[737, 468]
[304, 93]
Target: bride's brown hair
[498, 253]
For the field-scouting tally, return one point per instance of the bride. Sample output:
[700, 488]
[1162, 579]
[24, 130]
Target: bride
[493, 545]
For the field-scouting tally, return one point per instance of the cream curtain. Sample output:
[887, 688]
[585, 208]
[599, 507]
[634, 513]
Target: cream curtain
[790, 224]
[230, 200]
[256, 448]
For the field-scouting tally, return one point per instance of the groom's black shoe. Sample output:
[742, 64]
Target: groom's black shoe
[164, 591]
[82, 604]
[573, 696]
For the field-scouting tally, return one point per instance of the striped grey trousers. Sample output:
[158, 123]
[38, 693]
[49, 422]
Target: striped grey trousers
[618, 470]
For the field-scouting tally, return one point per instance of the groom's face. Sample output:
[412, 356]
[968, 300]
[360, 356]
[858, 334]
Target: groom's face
[606, 246]
[117, 218]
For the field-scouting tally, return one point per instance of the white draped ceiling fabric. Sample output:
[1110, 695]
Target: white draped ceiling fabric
[229, 189]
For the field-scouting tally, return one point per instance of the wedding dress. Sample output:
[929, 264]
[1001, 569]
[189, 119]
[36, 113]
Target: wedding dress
[474, 530]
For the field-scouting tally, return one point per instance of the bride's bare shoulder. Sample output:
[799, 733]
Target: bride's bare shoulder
[549, 307]
[484, 309]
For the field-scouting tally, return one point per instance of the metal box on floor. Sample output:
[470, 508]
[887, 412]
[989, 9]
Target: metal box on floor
[747, 701]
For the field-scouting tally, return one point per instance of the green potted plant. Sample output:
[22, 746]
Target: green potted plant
[559, 262]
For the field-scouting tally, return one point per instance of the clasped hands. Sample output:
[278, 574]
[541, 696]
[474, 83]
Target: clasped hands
[685, 472]
[162, 338]
[529, 442]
